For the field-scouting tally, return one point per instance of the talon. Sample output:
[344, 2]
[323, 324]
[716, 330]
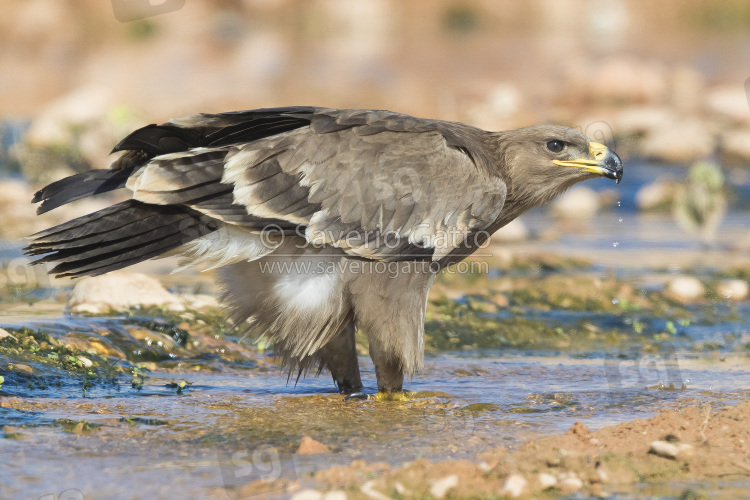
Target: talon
[357, 395]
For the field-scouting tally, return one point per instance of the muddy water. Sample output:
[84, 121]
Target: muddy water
[233, 426]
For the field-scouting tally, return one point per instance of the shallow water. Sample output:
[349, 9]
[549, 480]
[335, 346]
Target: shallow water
[234, 426]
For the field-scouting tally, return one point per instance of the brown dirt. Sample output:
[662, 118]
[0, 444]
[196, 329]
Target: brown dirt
[615, 457]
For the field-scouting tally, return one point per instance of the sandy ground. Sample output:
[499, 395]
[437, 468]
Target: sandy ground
[695, 446]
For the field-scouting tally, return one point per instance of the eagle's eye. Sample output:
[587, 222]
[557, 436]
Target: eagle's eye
[555, 146]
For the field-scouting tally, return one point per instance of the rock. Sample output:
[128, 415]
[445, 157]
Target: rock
[504, 100]
[733, 289]
[627, 79]
[87, 363]
[637, 120]
[18, 214]
[672, 451]
[729, 102]
[546, 480]
[688, 89]
[56, 124]
[198, 301]
[335, 495]
[735, 144]
[4, 334]
[515, 230]
[514, 486]
[578, 203]
[657, 195]
[680, 140]
[308, 446]
[307, 495]
[18, 367]
[569, 482]
[442, 486]
[686, 288]
[369, 490]
[118, 291]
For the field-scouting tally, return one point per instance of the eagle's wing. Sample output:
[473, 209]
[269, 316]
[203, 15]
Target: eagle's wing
[376, 184]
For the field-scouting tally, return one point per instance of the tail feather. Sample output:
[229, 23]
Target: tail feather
[79, 186]
[117, 237]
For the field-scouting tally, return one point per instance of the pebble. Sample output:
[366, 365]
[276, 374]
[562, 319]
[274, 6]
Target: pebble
[4, 333]
[546, 480]
[120, 290]
[369, 489]
[670, 450]
[733, 289]
[442, 486]
[686, 288]
[514, 486]
[307, 495]
[515, 230]
[18, 367]
[86, 361]
[569, 482]
[578, 203]
[308, 446]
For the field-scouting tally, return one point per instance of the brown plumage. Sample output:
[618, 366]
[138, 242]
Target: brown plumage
[321, 220]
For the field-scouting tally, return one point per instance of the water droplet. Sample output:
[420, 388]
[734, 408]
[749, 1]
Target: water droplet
[619, 220]
[619, 203]
[615, 244]
[615, 301]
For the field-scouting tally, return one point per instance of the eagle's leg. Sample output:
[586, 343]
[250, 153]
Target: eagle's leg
[340, 357]
[388, 369]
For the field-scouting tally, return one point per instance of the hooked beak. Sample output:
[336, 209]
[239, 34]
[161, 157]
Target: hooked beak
[605, 163]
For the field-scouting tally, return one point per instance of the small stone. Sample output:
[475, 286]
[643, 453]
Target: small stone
[514, 486]
[369, 490]
[18, 367]
[307, 495]
[728, 101]
[308, 446]
[335, 495]
[670, 450]
[733, 289]
[681, 140]
[442, 486]
[735, 144]
[118, 291]
[4, 334]
[658, 195]
[569, 482]
[86, 361]
[578, 203]
[515, 230]
[686, 288]
[546, 480]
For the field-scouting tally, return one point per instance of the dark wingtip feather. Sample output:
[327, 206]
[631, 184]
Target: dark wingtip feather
[79, 186]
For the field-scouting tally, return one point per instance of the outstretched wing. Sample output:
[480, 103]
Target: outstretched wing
[376, 184]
